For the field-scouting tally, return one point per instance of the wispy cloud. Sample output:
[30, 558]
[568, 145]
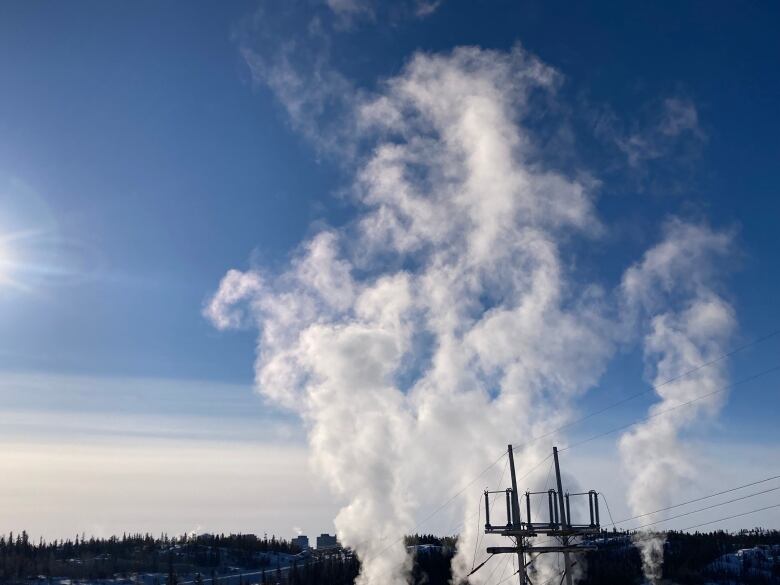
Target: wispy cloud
[294, 63]
[375, 9]
[297, 63]
[673, 292]
[64, 407]
[652, 135]
[680, 116]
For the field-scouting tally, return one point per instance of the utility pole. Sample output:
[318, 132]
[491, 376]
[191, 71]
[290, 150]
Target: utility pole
[515, 518]
[558, 525]
[565, 520]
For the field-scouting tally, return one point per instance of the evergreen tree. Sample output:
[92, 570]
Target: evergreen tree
[172, 580]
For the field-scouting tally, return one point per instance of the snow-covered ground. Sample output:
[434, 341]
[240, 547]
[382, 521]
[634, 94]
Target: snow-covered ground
[758, 561]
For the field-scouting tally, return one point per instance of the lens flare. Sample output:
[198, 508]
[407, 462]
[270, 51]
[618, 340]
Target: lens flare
[9, 261]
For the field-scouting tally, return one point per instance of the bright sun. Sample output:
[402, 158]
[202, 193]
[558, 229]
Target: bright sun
[22, 261]
[7, 262]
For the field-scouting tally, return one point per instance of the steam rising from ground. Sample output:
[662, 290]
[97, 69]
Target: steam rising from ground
[672, 291]
[411, 339]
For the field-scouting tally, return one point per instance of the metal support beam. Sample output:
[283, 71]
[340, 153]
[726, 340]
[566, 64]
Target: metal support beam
[564, 519]
[590, 505]
[487, 510]
[516, 520]
[499, 550]
[551, 504]
[528, 508]
[559, 525]
[561, 503]
[508, 507]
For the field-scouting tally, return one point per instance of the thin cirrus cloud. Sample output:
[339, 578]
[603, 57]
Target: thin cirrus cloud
[659, 132]
[45, 406]
[373, 9]
[73, 447]
[112, 486]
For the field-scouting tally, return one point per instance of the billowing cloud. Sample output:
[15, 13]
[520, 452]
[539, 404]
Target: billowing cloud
[410, 341]
[225, 310]
[672, 295]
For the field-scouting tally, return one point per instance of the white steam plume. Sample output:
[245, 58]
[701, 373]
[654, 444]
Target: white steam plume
[686, 323]
[413, 340]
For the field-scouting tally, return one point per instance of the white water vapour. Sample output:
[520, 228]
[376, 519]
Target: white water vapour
[440, 324]
[673, 294]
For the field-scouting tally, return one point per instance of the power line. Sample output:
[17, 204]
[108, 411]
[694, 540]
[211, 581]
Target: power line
[656, 386]
[774, 489]
[471, 517]
[529, 472]
[493, 500]
[667, 410]
[550, 580]
[730, 517]
[651, 416]
[459, 492]
[501, 577]
[479, 514]
[595, 413]
[603, 497]
[444, 505]
[495, 568]
[739, 487]
[534, 468]
[476, 541]
[508, 577]
[482, 564]
[546, 483]
[479, 510]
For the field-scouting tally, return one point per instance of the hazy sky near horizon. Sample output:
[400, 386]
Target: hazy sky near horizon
[140, 160]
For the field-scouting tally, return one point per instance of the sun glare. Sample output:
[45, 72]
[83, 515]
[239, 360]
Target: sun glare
[6, 265]
[9, 261]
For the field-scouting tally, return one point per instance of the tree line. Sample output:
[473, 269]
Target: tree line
[688, 558]
[102, 558]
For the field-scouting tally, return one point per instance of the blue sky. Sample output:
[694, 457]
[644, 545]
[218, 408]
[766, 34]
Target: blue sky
[136, 145]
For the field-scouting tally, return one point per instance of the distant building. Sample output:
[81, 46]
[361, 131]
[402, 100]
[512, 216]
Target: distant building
[302, 542]
[425, 549]
[326, 541]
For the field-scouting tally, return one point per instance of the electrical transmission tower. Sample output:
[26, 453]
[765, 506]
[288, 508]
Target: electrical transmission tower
[559, 525]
